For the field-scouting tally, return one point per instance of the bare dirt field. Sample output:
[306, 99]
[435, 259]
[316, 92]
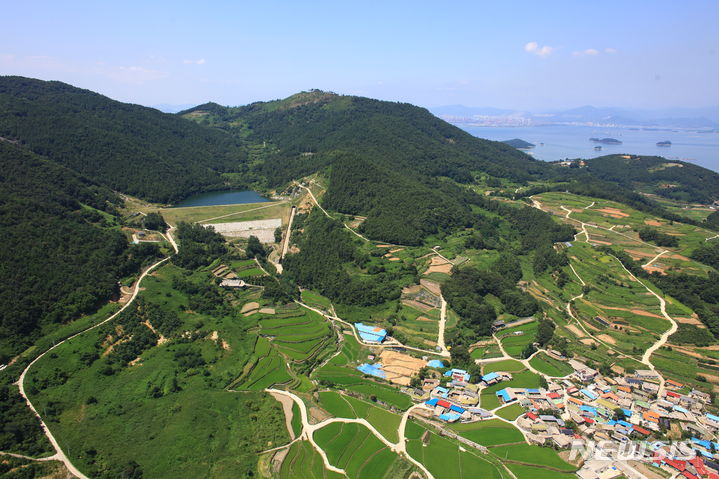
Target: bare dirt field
[576, 331]
[614, 213]
[249, 307]
[264, 230]
[432, 286]
[607, 338]
[416, 305]
[439, 265]
[652, 223]
[400, 367]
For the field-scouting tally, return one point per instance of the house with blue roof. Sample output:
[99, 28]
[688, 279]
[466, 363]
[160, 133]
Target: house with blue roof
[506, 396]
[588, 394]
[371, 334]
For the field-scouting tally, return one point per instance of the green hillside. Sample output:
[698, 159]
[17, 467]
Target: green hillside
[130, 148]
[677, 180]
[62, 254]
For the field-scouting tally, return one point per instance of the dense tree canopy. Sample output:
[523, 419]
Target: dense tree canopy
[60, 258]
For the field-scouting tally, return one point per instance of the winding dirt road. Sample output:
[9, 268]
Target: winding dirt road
[59, 454]
[308, 431]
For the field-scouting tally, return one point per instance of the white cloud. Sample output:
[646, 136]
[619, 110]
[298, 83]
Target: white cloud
[590, 52]
[200, 61]
[534, 48]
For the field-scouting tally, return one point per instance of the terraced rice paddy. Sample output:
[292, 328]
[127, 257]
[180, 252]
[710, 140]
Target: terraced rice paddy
[550, 366]
[489, 433]
[355, 449]
[304, 462]
[516, 339]
[340, 405]
[444, 458]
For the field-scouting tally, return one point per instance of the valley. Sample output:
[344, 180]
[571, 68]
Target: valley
[409, 302]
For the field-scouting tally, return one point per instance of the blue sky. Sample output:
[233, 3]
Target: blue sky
[521, 55]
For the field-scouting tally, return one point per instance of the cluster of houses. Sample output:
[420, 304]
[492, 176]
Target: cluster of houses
[587, 408]
[458, 399]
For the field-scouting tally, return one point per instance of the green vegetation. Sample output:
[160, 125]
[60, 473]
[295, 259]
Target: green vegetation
[541, 456]
[444, 459]
[340, 405]
[355, 449]
[511, 412]
[489, 433]
[550, 366]
[103, 390]
[130, 148]
[61, 256]
[303, 462]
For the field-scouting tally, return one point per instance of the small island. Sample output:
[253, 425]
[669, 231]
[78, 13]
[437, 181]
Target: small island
[519, 144]
[606, 141]
[665, 144]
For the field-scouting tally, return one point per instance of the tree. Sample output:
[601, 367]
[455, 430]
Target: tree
[278, 235]
[460, 355]
[255, 248]
[154, 221]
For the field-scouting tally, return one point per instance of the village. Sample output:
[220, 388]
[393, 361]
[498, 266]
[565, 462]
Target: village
[646, 426]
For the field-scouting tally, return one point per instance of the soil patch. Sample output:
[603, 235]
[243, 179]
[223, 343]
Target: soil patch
[249, 307]
[614, 213]
[607, 338]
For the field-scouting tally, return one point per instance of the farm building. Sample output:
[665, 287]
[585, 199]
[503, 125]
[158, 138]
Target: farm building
[232, 283]
[458, 374]
[371, 334]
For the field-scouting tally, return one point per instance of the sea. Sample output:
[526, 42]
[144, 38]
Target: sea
[224, 197]
[559, 142]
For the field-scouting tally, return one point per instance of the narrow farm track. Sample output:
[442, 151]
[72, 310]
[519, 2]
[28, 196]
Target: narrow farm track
[308, 431]
[59, 454]
[648, 263]
[646, 357]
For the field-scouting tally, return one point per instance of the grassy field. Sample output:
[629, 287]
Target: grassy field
[315, 300]
[489, 433]
[340, 405]
[514, 345]
[508, 365]
[355, 449]
[228, 213]
[445, 459]
[511, 412]
[540, 456]
[550, 366]
[175, 420]
[303, 462]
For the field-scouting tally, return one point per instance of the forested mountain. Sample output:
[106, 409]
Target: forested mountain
[398, 135]
[678, 180]
[60, 258]
[129, 148]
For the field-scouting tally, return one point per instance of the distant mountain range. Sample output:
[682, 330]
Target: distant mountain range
[691, 118]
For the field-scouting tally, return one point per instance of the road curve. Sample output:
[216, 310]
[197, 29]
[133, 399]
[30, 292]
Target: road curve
[60, 455]
[308, 431]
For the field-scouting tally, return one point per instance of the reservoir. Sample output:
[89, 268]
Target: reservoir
[225, 197]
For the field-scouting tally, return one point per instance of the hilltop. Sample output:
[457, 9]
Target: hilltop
[126, 147]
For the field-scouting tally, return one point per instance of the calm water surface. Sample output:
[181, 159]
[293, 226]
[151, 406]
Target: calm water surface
[228, 197]
[562, 142]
